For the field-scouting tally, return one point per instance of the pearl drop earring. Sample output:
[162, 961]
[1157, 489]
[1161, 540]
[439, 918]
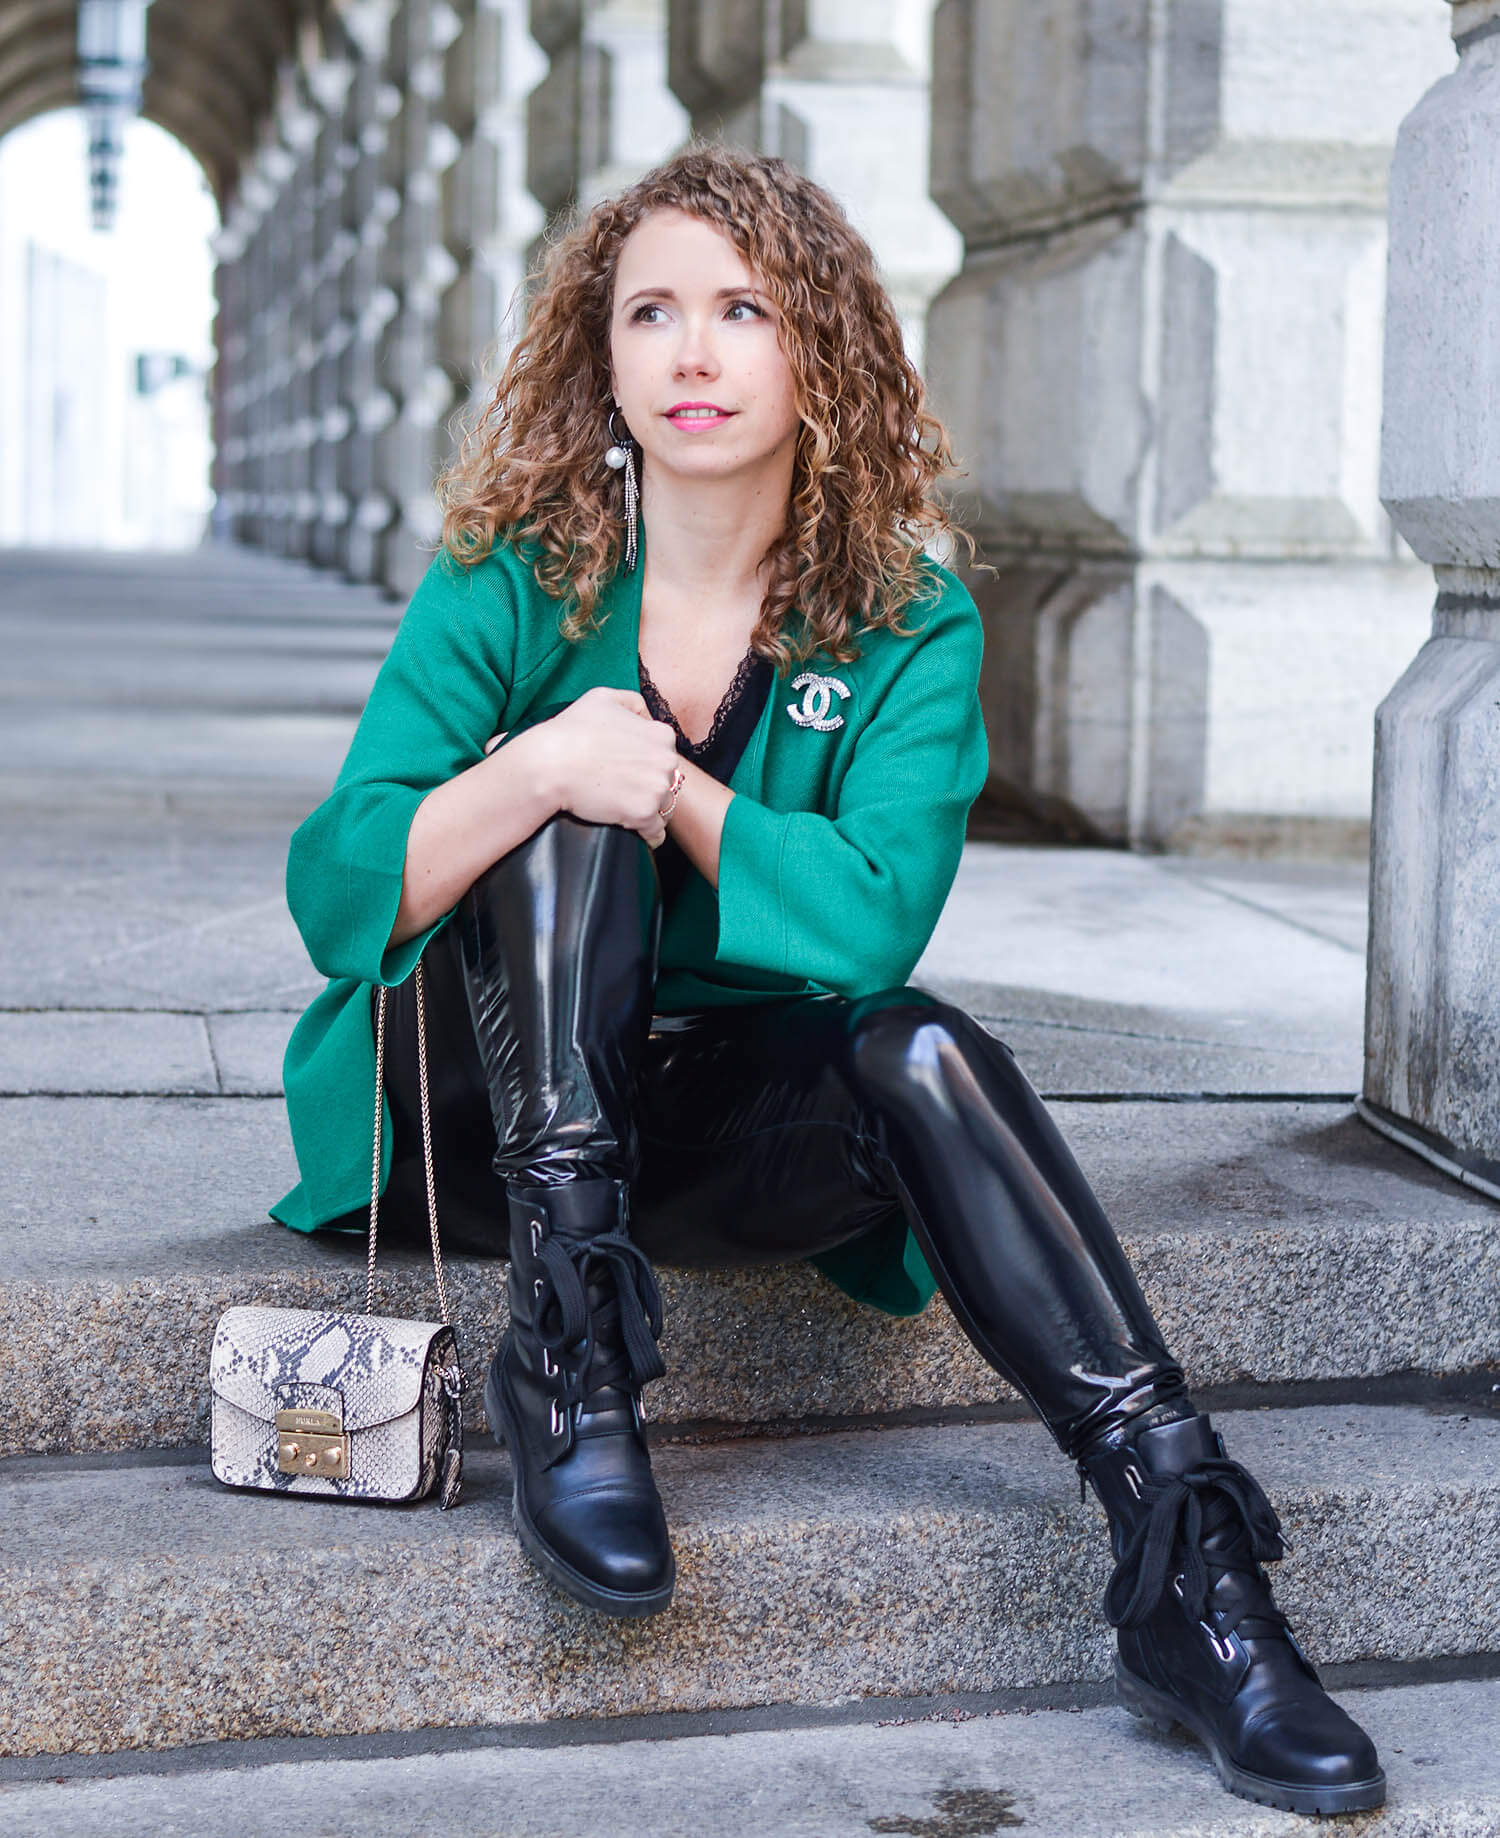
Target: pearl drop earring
[620, 457]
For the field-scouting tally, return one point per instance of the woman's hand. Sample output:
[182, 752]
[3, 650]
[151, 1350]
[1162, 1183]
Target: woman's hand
[604, 759]
[609, 762]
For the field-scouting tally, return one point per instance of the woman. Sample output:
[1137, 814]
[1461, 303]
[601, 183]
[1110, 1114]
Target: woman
[669, 1017]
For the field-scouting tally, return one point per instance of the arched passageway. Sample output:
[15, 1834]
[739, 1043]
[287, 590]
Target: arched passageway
[106, 343]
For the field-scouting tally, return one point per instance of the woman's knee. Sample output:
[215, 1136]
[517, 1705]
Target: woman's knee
[566, 842]
[900, 1041]
[574, 878]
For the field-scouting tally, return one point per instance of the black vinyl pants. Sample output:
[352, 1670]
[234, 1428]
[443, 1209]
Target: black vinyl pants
[762, 1132]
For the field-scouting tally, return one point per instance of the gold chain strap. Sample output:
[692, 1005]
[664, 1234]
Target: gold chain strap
[432, 1219]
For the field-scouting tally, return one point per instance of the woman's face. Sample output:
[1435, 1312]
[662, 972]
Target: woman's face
[699, 373]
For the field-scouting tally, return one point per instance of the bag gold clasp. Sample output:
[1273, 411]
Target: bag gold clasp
[311, 1442]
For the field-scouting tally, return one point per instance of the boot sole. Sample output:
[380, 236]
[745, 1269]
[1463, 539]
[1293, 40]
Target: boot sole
[1162, 1713]
[558, 1572]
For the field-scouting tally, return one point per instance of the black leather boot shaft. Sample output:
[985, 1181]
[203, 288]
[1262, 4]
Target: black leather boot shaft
[559, 952]
[1011, 1229]
[1201, 1640]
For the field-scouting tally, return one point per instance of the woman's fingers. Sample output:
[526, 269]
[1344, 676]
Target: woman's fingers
[615, 764]
[626, 698]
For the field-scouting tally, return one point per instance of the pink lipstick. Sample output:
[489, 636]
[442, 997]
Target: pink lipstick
[695, 416]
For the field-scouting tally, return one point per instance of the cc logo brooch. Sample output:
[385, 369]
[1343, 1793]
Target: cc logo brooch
[817, 698]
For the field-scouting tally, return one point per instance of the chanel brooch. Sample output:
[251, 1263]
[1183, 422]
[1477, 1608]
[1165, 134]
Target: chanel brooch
[817, 698]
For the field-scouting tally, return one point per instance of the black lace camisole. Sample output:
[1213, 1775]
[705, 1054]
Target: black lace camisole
[719, 751]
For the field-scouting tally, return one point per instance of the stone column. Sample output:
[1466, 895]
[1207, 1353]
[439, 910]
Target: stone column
[331, 84]
[277, 165]
[488, 218]
[840, 89]
[503, 249]
[603, 114]
[229, 399]
[1161, 365]
[419, 269]
[260, 374]
[1432, 1038]
[298, 124]
[365, 305]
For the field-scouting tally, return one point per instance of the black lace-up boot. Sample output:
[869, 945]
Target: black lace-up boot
[563, 1395]
[1201, 1642]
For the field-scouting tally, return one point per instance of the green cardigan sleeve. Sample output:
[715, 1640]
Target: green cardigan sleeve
[439, 696]
[849, 901]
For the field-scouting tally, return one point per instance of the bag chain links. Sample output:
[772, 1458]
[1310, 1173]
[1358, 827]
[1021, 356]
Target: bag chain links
[432, 1221]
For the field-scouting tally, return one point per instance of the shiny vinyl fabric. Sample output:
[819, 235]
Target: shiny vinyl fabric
[759, 1133]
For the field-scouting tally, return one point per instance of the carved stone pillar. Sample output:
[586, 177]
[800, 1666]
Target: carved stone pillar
[603, 114]
[365, 305]
[331, 83]
[841, 90]
[229, 397]
[502, 248]
[298, 124]
[1161, 364]
[418, 269]
[261, 372]
[488, 220]
[1432, 1039]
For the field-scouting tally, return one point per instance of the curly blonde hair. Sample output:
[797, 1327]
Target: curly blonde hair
[869, 454]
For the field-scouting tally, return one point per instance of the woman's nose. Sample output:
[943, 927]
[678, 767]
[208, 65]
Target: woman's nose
[695, 354]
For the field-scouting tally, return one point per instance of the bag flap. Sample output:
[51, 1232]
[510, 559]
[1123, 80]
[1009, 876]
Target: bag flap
[270, 1359]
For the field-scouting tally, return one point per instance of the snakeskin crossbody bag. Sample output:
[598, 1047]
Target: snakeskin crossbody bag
[366, 1407]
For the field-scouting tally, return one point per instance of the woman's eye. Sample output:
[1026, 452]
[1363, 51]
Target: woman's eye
[738, 308]
[638, 317]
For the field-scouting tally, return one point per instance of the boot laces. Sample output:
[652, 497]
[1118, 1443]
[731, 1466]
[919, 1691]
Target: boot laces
[619, 1327]
[1167, 1546]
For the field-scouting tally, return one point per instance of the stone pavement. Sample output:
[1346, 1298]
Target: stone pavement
[164, 723]
[948, 1775]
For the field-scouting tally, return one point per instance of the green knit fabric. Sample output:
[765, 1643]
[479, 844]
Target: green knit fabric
[838, 850]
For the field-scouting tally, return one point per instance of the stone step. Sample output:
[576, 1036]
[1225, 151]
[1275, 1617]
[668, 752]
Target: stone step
[1278, 1243]
[115, 1049]
[1054, 1774]
[147, 1607]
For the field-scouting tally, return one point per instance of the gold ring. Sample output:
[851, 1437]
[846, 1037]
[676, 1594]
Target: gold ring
[679, 779]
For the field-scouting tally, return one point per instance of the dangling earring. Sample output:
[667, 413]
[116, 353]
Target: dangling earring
[621, 458]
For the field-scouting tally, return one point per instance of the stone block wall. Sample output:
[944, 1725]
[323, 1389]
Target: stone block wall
[1161, 362]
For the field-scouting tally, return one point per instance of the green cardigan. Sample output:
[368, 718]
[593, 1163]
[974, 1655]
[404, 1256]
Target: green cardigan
[838, 849]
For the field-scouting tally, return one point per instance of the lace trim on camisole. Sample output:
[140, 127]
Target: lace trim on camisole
[661, 711]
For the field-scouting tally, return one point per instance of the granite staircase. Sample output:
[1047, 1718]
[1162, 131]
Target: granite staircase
[887, 1579]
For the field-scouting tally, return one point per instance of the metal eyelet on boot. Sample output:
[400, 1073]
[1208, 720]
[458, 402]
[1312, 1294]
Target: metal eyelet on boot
[1134, 1479]
[536, 1238]
[559, 1422]
[1224, 1646]
[550, 1366]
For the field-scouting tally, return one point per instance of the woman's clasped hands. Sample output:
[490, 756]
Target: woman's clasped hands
[610, 762]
